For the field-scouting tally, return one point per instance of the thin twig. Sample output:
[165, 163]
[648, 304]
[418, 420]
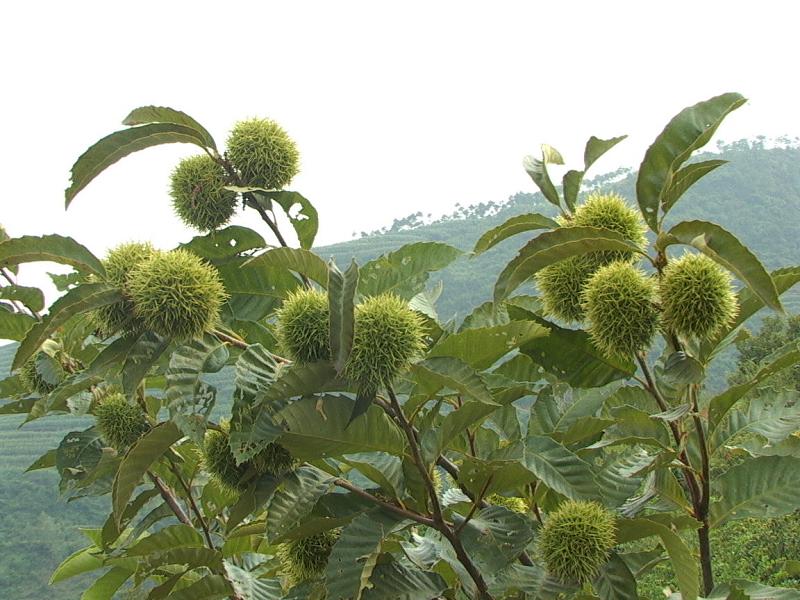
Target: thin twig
[192, 503]
[402, 512]
[438, 518]
[475, 504]
[450, 468]
[170, 499]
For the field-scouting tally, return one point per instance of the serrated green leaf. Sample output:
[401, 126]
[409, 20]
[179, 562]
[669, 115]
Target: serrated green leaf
[553, 246]
[106, 585]
[760, 487]
[248, 586]
[45, 461]
[318, 427]
[50, 248]
[688, 131]
[163, 114]
[393, 581]
[556, 466]
[684, 564]
[537, 170]
[81, 561]
[724, 248]
[511, 227]
[298, 260]
[294, 500]
[719, 406]
[113, 147]
[79, 300]
[571, 184]
[341, 299]
[209, 587]
[481, 347]
[570, 355]
[405, 271]
[150, 447]
[188, 402]
[31, 297]
[495, 537]
[255, 289]
[437, 372]
[686, 178]
[255, 371]
[619, 479]
[595, 148]
[255, 430]
[172, 536]
[77, 455]
[222, 244]
[382, 468]
[15, 326]
[774, 419]
[140, 359]
[353, 556]
[615, 580]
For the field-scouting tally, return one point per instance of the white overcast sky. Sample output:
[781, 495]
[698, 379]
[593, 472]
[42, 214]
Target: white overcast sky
[396, 106]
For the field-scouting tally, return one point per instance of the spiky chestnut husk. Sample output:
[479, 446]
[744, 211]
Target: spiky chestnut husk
[697, 297]
[576, 540]
[199, 197]
[274, 460]
[119, 317]
[610, 211]
[120, 422]
[561, 285]
[219, 461]
[620, 305]
[518, 505]
[263, 153]
[388, 336]
[306, 558]
[33, 381]
[176, 294]
[303, 326]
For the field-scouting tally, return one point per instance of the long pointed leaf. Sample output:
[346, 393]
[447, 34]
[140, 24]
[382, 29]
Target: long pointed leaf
[760, 487]
[688, 131]
[686, 178]
[78, 300]
[341, 298]
[298, 260]
[137, 461]
[120, 144]
[164, 114]
[50, 248]
[553, 246]
[513, 226]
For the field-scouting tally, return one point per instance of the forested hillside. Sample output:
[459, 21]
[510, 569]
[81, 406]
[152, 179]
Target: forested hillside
[758, 182]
